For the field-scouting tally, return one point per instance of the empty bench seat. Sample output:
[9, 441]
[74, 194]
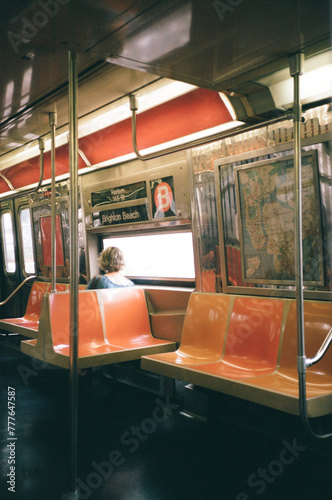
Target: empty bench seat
[259, 359]
[281, 389]
[224, 336]
[252, 339]
[130, 327]
[202, 336]
[113, 326]
[27, 325]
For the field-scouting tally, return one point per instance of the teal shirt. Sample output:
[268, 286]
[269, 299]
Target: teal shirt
[104, 282]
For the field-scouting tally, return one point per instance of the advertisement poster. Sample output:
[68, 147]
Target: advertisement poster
[163, 200]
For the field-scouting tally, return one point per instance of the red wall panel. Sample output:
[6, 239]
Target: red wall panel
[195, 111]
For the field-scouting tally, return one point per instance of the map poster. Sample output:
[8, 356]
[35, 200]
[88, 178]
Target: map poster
[266, 200]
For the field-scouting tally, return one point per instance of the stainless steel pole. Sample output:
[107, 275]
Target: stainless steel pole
[73, 169]
[296, 64]
[53, 123]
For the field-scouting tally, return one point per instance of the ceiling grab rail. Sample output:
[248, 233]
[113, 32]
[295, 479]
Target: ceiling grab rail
[53, 124]
[196, 142]
[4, 302]
[296, 64]
[23, 190]
[41, 144]
[7, 181]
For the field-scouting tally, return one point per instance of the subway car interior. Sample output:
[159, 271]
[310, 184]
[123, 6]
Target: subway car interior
[196, 137]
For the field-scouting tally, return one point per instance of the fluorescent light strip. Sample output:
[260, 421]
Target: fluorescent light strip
[192, 137]
[315, 81]
[153, 149]
[166, 145]
[228, 105]
[148, 98]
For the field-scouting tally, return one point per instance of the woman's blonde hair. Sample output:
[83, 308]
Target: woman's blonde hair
[111, 260]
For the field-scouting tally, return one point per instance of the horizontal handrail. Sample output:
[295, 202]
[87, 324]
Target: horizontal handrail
[196, 142]
[321, 351]
[17, 289]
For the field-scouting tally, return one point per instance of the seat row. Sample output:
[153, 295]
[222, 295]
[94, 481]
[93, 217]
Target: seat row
[246, 347]
[27, 325]
[113, 326]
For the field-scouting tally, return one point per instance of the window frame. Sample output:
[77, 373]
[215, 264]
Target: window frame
[24, 270]
[155, 280]
[4, 239]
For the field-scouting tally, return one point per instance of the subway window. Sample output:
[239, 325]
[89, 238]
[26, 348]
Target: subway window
[27, 241]
[157, 255]
[8, 242]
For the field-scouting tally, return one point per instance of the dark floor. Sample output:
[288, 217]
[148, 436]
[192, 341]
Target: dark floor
[133, 445]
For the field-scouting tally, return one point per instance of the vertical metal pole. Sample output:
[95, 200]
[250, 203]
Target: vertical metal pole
[53, 123]
[296, 64]
[73, 169]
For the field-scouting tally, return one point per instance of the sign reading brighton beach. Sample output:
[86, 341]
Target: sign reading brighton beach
[124, 215]
[132, 202]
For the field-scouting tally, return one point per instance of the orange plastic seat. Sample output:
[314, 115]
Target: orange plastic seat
[202, 336]
[27, 325]
[61, 287]
[127, 323]
[92, 347]
[252, 343]
[281, 389]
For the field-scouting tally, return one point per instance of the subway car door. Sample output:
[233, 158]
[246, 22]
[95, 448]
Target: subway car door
[25, 244]
[10, 270]
[41, 214]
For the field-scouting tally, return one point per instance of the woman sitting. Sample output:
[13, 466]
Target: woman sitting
[111, 261]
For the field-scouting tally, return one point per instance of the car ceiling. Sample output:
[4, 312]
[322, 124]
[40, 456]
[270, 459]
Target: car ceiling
[124, 45]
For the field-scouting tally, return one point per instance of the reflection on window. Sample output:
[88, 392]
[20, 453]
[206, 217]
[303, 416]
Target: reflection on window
[8, 98]
[157, 255]
[27, 243]
[45, 227]
[8, 242]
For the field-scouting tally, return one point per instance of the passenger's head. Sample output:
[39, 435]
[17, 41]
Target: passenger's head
[111, 260]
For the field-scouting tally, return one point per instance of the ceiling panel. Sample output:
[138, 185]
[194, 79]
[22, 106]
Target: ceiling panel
[219, 45]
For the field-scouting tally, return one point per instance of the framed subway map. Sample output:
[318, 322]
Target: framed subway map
[266, 200]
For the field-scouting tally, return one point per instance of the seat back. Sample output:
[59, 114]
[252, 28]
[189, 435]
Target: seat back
[205, 322]
[254, 329]
[317, 323]
[38, 290]
[125, 313]
[90, 322]
[62, 287]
